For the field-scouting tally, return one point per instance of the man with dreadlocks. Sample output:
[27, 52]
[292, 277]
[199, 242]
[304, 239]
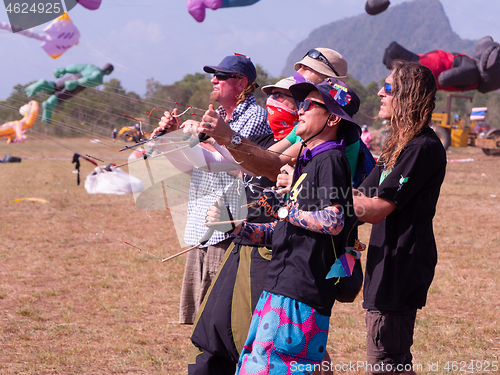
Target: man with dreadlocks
[401, 197]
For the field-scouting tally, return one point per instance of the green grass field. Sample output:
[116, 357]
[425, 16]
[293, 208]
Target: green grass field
[76, 299]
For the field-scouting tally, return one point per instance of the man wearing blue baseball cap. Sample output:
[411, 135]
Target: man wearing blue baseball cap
[234, 64]
[233, 87]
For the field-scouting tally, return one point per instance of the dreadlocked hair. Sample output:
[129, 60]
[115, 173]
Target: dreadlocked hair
[413, 100]
[249, 88]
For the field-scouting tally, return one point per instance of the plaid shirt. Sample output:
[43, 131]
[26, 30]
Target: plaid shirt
[248, 119]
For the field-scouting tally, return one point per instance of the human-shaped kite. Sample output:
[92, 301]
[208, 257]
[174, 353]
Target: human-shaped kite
[83, 75]
[456, 71]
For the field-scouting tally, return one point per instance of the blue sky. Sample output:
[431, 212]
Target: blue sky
[159, 39]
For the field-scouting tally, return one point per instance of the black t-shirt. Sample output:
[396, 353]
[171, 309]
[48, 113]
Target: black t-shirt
[402, 254]
[302, 258]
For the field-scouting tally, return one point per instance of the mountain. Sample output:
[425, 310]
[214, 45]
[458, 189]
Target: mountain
[420, 26]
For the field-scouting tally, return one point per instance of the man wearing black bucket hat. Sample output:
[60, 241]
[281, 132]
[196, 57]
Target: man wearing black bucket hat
[305, 241]
[233, 86]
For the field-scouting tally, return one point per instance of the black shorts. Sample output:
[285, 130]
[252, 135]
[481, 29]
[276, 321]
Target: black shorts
[389, 337]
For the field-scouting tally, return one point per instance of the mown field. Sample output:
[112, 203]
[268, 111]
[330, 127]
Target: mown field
[75, 298]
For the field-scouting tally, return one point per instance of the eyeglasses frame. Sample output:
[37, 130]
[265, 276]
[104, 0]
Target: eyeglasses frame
[309, 107]
[221, 76]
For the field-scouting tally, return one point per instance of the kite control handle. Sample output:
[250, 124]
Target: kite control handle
[148, 154]
[160, 133]
[207, 236]
[152, 149]
[201, 138]
[211, 229]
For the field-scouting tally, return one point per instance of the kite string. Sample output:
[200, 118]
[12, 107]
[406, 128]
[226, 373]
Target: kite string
[250, 154]
[56, 122]
[188, 107]
[92, 109]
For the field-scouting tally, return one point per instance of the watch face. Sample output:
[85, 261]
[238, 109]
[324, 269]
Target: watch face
[283, 213]
[236, 139]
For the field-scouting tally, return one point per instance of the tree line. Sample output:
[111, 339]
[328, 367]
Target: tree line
[97, 111]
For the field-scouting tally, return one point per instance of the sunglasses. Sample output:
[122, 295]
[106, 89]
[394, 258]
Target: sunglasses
[317, 55]
[308, 104]
[388, 89]
[224, 76]
[276, 95]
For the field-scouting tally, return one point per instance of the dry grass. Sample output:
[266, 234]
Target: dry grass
[75, 299]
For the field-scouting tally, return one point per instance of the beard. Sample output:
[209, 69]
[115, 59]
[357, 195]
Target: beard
[214, 96]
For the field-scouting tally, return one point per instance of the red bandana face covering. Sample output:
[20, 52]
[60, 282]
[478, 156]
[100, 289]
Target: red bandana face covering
[281, 119]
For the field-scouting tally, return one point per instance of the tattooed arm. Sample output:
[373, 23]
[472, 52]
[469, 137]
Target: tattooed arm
[258, 233]
[329, 220]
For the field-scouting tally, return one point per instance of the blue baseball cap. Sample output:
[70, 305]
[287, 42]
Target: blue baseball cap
[235, 64]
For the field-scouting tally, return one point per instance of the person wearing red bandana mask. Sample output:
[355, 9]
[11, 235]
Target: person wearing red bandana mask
[281, 108]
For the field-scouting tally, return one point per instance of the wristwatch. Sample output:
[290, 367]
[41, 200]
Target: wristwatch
[283, 212]
[236, 140]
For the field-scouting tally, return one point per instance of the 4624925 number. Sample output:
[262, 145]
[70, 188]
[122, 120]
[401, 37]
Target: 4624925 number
[471, 366]
[25, 8]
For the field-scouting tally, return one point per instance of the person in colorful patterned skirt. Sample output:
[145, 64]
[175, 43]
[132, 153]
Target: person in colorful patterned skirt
[289, 328]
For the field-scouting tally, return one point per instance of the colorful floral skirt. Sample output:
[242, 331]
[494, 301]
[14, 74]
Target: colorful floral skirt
[285, 337]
